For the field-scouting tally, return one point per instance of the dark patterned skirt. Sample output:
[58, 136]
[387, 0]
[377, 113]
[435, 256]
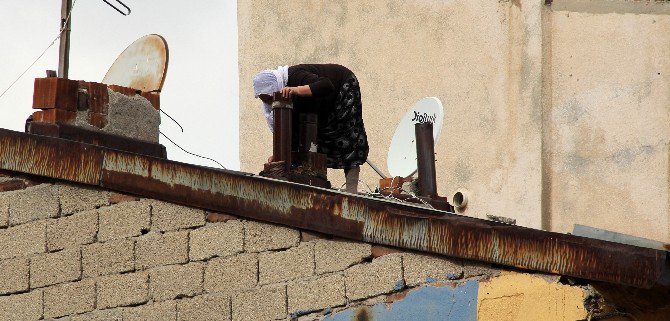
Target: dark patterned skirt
[343, 137]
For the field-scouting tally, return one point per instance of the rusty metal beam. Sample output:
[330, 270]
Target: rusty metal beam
[355, 217]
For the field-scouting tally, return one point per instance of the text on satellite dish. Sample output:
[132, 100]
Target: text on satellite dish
[423, 118]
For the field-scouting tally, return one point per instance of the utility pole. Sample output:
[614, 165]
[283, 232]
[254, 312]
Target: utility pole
[64, 51]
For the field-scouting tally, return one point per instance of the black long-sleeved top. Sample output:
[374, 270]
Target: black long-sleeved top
[324, 81]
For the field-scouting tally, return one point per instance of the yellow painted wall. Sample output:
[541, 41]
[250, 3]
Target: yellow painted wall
[525, 297]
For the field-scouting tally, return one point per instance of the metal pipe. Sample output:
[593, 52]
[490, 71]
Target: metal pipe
[281, 137]
[375, 168]
[64, 49]
[425, 159]
[308, 133]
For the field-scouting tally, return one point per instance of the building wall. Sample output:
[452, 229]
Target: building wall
[75, 253]
[555, 115]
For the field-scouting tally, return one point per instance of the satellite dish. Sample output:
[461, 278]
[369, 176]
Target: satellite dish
[141, 66]
[401, 160]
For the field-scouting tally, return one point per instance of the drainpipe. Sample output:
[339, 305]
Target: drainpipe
[282, 110]
[425, 158]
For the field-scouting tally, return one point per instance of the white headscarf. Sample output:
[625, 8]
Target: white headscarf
[269, 82]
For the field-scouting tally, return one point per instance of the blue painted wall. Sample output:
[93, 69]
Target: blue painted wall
[427, 303]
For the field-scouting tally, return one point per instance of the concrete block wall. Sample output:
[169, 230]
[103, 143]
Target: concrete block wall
[74, 253]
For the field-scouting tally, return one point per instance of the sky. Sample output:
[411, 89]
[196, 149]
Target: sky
[202, 82]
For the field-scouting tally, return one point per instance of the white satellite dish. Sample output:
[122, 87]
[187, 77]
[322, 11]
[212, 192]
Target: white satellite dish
[141, 66]
[401, 160]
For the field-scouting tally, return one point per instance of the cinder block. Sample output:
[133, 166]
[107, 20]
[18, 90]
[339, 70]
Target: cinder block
[99, 315]
[232, 273]
[170, 217]
[475, 268]
[69, 298]
[122, 290]
[261, 237]
[263, 304]
[218, 239]
[124, 220]
[166, 310]
[108, 258]
[23, 240]
[72, 231]
[33, 203]
[75, 199]
[26, 306]
[55, 92]
[161, 249]
[337, 255]
[383, 275]
[297, 262]
[307, 236]
[14, 276]
[54, 268]
[316, 294]
[208, 307]
[4, 209]
[153, 98]
[171, 282]
[421, 268]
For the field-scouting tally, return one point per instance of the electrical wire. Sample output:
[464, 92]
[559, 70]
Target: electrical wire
[60, 33]
[207, 158]
[174, 120]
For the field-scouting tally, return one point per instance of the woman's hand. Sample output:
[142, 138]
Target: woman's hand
[286, 92]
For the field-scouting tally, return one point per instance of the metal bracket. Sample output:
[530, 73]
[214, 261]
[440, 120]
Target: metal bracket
[117, 9]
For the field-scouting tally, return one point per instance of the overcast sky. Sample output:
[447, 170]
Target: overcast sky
[201, 87]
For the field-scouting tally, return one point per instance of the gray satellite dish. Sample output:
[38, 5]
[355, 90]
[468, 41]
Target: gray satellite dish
[401, 160]
[141, 66]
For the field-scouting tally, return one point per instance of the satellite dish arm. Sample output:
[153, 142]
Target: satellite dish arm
[375, 168]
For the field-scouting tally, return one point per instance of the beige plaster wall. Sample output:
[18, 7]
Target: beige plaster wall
[524, 138]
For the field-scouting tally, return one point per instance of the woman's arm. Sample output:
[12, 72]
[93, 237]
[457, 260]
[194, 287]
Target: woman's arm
[302, 91]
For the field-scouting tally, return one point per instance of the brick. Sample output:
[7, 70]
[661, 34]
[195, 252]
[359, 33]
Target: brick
[75, 199]
[97, 120]
[331, 256]
[220, 239]
[8, 185]
[383, 275]
[213, 217]
[170, 217]
[123, 90]
[208, 307]
[14, 277]
[72, 231]
[172, 282]
[316, 294]
[307, 236]
[108, 258]
[161, 249]
[231, 274]
[116, 198]
[23, 240]
[26, 306]
[54, 268]
[263, 304]
[122, 290]
[381, 250]
[261, 237]
[54, 116]
[69, 298]
[421, 268]
[99, 315]
[124, 220]
[286, 265]
[4, 209]
[33, 203]
[98, 97]
[153, 98]
[55, 93]
[166, 310]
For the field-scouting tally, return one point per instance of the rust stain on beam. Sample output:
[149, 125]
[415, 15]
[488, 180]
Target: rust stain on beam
[355, 217]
